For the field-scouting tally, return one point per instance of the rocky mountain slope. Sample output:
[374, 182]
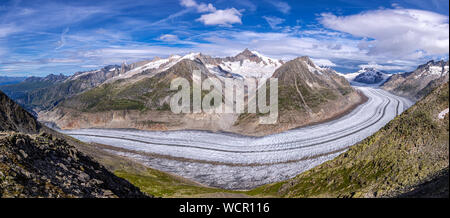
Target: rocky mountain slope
[411, 150]
[34, 164]
[14, 118]
[420, 82]
[140, 97]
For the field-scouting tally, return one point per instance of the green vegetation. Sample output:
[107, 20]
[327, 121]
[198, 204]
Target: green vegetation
[161, 184]
[119, 95]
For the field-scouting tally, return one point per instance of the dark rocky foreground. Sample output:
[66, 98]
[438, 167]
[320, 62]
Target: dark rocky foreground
[45, 166]
[435, 188]
[34, 163]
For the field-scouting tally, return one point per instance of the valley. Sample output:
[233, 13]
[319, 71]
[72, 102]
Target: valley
[121, 115]
[224, 99]
[239, 162]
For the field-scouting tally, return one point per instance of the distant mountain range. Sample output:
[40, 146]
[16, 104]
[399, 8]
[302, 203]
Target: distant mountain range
[6, 80]
[37, 93]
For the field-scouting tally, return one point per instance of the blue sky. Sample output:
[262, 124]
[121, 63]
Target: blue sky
[42, 37]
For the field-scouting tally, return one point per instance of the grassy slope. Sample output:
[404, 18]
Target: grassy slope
[162, 184]
[406, 152]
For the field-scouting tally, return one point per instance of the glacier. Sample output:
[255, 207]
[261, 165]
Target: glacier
[239, 162]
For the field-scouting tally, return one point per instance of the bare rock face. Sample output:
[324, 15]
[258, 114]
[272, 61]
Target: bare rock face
[419, 83]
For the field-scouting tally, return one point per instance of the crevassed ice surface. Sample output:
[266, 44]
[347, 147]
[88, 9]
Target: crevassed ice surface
[238, 162]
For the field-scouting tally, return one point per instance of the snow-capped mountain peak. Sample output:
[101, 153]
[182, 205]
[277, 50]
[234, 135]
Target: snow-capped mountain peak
[370, 75]
[247, 64]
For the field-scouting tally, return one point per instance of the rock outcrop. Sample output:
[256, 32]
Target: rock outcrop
[14, 118]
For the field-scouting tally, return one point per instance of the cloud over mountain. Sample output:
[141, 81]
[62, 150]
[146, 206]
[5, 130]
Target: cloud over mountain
[225, 17]
[400, 32]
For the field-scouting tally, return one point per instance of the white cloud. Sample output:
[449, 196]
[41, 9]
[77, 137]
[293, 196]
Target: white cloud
[225, 17]
[91, 66]
[62, 60]
[395, 32]
[62, 41]
[283, 7]
[168, 38]
[8, 30]
[386, 67]
[274, 21]
[202, 7]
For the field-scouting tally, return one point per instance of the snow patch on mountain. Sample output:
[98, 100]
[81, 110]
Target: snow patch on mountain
[432, 69]
[314, 69]
[110, 68]
[442, 114]
[247, 68]
[437, 70]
